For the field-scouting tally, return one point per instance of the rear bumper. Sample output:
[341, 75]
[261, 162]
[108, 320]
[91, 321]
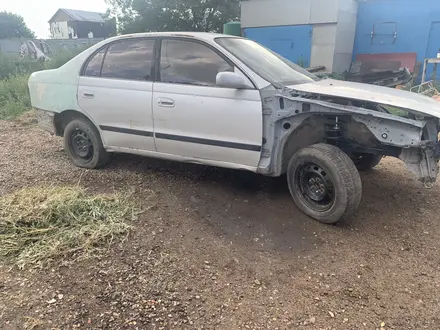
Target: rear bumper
[46, 120]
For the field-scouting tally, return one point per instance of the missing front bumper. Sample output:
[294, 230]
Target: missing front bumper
[423, 161]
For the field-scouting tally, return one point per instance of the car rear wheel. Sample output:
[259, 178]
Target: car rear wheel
[83, 144]
[324, 183]
[365, 162]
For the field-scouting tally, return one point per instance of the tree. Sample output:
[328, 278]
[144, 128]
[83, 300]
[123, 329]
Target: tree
[13, 26]
[174, 15]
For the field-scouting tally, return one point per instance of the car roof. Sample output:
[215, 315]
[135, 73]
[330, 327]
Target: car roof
[196, 35]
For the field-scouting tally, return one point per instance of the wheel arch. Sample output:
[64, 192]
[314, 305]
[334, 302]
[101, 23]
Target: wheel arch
[309, 131]
[62, 119]
[339, 130]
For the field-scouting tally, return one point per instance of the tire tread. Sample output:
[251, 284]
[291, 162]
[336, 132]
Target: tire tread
[346, 171]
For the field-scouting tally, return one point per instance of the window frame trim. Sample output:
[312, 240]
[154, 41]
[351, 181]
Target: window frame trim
[90, 58]
[107, 47]
[158, 54]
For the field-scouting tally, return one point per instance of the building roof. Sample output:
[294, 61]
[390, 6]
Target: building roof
[80, 15]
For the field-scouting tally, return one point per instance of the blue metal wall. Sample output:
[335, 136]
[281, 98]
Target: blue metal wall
[292, 42]
[400, 26]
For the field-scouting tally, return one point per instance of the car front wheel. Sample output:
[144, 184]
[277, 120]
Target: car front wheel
[324, 183]
[83, 144]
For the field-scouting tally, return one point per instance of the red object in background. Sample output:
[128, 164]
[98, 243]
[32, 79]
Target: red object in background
[389, 61]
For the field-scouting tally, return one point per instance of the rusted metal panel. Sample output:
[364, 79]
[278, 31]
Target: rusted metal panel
[388, 61]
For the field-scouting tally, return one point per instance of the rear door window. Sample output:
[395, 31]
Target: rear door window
[130, 59]
[93, 68]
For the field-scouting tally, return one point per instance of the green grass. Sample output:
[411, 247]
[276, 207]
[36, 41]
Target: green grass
[38, 225]
[14, 97]
[61, 58]
[11, 66]
[14, 74]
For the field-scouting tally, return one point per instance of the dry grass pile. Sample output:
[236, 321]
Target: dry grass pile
[40, 224]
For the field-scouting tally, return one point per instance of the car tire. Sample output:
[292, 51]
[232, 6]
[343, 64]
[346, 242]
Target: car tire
[83, 144]
[324, 183]
[366, 162]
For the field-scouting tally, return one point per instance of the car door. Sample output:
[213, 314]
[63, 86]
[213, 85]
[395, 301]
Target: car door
[195, 118]
[115, 90]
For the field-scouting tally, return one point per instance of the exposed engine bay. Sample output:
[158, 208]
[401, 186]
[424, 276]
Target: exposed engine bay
[294, 119]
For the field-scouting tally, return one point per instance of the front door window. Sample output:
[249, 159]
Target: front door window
[186, 62]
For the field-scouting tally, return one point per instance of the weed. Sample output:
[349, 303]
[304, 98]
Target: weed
[14, 96]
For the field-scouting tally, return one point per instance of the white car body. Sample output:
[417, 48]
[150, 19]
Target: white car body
[207, 114]
[248, 119]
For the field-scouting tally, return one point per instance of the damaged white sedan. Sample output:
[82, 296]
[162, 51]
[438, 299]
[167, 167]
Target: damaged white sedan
[227, 101]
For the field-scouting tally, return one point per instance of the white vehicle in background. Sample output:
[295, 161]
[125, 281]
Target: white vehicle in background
[227, 101]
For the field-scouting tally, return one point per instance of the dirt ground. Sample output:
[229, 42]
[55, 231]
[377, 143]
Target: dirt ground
[220, 249]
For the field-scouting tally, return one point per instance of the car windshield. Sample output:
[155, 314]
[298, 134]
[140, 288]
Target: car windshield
[269, 65]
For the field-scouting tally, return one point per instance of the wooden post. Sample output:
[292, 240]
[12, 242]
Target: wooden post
[434, 76]
[425, 69]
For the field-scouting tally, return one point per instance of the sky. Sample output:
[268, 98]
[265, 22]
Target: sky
[37, 13]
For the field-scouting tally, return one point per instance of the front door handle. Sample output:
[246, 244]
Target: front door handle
[165, 102]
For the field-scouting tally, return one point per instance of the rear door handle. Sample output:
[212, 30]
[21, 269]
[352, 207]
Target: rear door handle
[165, 102]
[88, 95]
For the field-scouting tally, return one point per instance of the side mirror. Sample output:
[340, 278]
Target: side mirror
[230, 80]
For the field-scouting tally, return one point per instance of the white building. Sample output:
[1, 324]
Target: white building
[72, 24]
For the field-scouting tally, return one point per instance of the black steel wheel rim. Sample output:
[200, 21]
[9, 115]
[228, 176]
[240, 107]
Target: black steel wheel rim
[81, 145]
[315, 186]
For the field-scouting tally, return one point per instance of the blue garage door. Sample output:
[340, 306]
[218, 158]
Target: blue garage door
[433, 48]
[292, 42]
